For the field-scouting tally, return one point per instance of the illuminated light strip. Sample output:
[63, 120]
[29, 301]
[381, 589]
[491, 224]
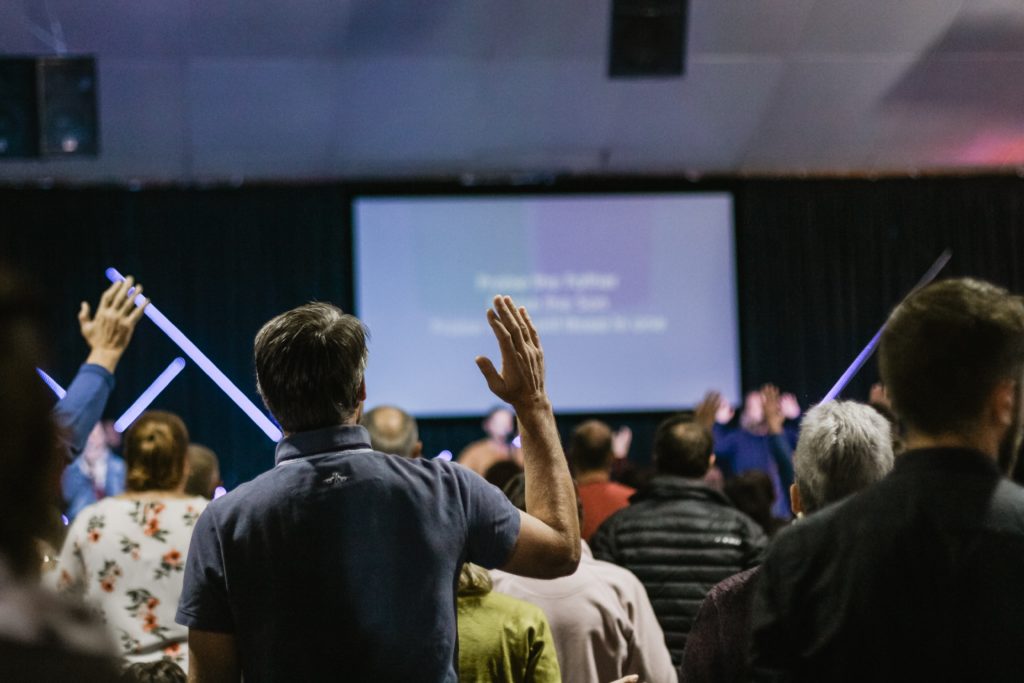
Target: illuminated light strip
[204, 363]
[149, 395]
[52, 383]
[863, 356]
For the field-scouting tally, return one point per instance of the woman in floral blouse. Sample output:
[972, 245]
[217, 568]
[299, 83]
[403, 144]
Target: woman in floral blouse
[126, 554]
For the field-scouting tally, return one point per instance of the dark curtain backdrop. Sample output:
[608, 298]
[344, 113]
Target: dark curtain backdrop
[820, 264]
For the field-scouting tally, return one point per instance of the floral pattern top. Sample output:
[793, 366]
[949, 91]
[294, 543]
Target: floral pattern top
[127, 557]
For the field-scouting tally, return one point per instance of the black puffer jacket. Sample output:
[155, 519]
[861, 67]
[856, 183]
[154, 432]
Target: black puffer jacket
[680, 537]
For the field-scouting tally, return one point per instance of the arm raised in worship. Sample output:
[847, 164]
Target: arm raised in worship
[548, 545]
[107, 333]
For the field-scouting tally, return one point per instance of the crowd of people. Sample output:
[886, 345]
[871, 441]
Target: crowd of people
[356, 558]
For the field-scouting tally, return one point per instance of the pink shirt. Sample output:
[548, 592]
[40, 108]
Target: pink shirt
[602, 621]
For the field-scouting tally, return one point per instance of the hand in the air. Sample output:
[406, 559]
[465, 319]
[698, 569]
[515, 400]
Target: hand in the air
[790, 406]
[520, 382]
[622, 439]
[773, 415]
[110, 330]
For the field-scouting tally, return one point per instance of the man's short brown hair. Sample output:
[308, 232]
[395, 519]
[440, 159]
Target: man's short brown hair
[682, 447]
[309, 366]
[944, 350]
[590, 447]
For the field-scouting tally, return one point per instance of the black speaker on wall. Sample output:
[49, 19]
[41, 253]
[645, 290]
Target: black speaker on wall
[648, 38]
[19, 129]
[67, 106]
[48, 107]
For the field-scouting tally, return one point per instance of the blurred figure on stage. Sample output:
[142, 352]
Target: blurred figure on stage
[763, 441]
[95, 474]
[500, 427]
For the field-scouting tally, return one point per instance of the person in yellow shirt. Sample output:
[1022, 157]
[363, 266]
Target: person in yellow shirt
[501, 639]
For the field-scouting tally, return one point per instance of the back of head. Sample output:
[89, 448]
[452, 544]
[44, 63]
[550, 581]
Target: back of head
[590, 447]
[753, 494]
[309, 366]
[392, 430]
[844, 447]
[203, 471]
[682, 447]
[944, 350]
[30, 459]
[501, 472]
[474, 580]
[154, 450]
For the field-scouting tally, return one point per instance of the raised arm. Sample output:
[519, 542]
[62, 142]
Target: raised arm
[549, 536]
[107, 334]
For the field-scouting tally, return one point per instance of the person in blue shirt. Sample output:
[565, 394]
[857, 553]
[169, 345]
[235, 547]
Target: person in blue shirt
[763, 441]
[96, 473]
[341, 562]
[108, 334]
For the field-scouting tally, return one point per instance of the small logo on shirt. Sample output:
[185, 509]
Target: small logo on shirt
[728, 540]
[335, 479]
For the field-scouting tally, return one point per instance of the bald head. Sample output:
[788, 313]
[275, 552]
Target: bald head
[392, 430]
[590, 448]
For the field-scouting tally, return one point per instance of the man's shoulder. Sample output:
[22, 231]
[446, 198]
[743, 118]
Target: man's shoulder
[513, 608]
[277, 485]
[618, 580]
[736, 588]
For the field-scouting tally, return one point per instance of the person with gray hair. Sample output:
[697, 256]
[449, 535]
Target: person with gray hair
[392, 430]
[844, 447]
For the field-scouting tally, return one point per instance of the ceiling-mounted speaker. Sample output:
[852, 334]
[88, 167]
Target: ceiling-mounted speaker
[19, 130]
[68, 121]
[648, 38]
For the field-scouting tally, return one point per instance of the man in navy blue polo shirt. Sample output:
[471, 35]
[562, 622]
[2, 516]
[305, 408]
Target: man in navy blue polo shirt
[341, 562]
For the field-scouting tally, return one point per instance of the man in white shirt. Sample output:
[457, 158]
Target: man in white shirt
[601, 618]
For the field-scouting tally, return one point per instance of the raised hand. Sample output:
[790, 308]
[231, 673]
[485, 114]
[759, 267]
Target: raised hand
[790, 406]
[622, 439]
[110, 330]
[706, 411]
[520, 382]
[773, 415]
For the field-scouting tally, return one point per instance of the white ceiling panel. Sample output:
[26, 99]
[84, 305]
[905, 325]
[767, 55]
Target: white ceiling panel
[222, 89]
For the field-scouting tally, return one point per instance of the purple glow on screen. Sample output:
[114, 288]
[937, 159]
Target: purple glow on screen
[204, 363]
[517, 442]
[445, 455]
[52, 383]
[149, 395]
[218, 492]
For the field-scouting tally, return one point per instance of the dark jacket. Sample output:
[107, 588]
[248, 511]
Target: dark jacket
[718, 644]
[918, 578]
[680, 537]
